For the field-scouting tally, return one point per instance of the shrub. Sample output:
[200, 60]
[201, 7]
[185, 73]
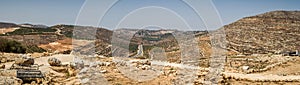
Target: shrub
[12, 46]
[25, 31]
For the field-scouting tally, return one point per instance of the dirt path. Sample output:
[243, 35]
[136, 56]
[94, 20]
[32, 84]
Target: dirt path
[262, 77]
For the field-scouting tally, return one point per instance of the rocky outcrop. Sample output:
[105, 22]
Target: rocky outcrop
[3, 59]
[59, 69]
[8, 57]
[77, 65]
[54, 62]
[24, 61]
[2, 66]
[8, 73]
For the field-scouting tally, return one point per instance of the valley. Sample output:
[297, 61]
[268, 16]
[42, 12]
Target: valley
[261, 49]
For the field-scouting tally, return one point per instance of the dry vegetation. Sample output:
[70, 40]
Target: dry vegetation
[255, 47]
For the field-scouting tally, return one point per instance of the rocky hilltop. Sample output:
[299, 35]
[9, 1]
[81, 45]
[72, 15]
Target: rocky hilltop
[270, 32]
[7, 25]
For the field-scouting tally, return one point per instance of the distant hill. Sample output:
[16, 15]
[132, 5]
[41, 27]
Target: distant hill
[7, 25]
[269, 32]
[30, 36]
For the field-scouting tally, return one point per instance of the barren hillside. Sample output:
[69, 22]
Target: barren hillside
[265, 33]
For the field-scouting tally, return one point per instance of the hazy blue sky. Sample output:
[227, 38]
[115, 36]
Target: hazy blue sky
[51, 12]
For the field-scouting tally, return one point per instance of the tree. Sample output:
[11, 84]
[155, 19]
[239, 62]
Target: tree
[11, 46]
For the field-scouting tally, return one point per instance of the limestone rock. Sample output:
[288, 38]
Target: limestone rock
[8, 73]
[2, 66]
[145, 67]
[10, 81]
[25, 61]
[3, 59]
[72, 72]
[103, 71]
[245, 68]
[77, 65]
[59, 69]
[54, 62]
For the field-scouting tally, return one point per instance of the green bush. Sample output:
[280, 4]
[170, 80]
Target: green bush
[12, 46]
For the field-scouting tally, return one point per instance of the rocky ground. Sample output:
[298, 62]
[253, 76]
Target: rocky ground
[271, 32]
[256, 47]
[65, 69]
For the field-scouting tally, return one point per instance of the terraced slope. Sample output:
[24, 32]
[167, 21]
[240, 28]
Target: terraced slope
[270, 32]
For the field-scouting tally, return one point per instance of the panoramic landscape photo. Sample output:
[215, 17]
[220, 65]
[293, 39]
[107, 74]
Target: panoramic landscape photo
[149, 42]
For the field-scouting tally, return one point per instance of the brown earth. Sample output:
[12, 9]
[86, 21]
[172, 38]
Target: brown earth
[6, 30]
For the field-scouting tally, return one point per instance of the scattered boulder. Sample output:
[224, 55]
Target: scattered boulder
[29, 61]
[77, 65]
[4, 80]
[54, 62]
[24, 61]
[59, 69]
[3, 59]
[145, 67]
[72, 72]
[66, 52]
[103, 71]
[245, 68]
[8, 73]
[98, 63]
[46, 54]
[202, 74]
[2, 66]
[142, 62]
